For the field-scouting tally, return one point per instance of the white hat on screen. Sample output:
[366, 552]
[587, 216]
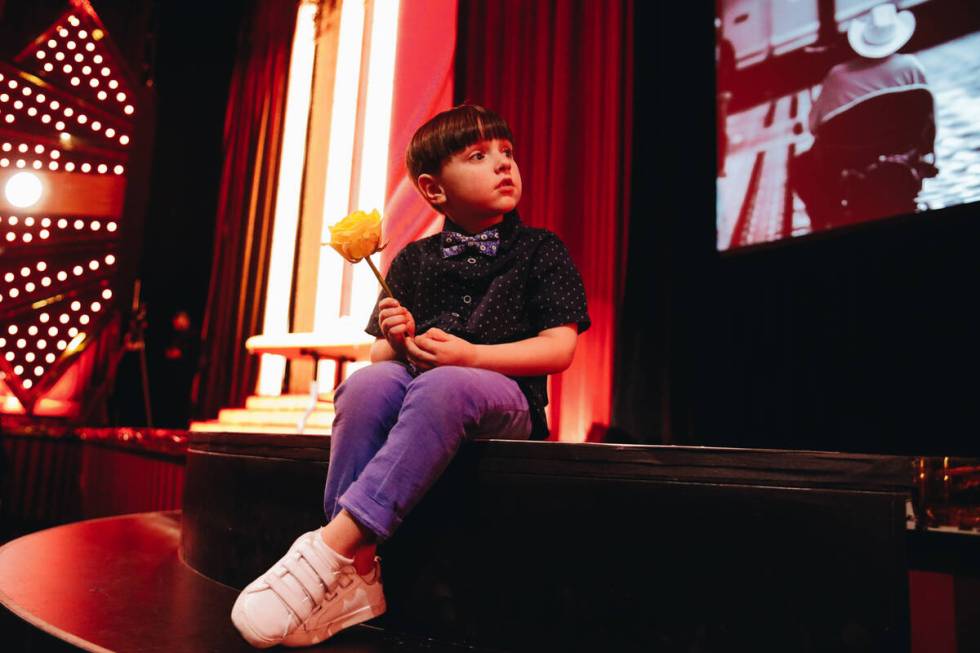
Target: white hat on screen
[881, 32]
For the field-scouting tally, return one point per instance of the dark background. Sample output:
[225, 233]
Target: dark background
[861, 340]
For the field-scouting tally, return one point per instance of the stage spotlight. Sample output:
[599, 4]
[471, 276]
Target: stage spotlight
[23, 190]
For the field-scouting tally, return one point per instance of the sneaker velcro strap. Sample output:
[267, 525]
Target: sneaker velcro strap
[309, 581]
[301, 609]
[326, 571]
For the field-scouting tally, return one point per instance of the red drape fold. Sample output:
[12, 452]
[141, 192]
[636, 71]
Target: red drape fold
[561, 73]
[246, 203]
[423, 87]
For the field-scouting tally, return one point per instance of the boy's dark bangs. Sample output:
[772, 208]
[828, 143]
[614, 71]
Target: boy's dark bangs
[471, 126]
[451, 132]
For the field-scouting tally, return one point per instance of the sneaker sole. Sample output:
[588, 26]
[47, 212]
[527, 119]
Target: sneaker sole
[329, 630]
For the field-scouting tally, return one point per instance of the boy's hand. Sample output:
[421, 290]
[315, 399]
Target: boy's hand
[396, 323]
[436, 348]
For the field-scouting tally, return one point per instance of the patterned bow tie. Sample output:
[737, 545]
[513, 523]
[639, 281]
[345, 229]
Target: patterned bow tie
[486, 243]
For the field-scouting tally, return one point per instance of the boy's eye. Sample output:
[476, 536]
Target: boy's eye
[477, 156]
[509, 152]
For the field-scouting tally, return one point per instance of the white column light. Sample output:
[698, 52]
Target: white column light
[374, 153]
[279, 290]
[343, 122]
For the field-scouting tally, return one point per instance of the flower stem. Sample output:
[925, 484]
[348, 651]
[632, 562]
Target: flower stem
[380, 278]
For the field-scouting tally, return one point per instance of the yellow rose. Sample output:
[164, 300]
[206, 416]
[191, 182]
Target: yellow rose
[357, 236]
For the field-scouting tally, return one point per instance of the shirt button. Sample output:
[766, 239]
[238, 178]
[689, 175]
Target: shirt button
[471, 260]
[467, 299]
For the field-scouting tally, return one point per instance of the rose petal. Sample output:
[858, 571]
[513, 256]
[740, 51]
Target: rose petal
[356, 236]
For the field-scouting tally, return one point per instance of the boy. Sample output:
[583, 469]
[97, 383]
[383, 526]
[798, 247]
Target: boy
[482, 313]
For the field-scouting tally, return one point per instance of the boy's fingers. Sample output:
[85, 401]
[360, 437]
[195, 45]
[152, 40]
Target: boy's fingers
[386, 317]
[415, 360]
[429, 346]
[412, 346]
[388, 312]
[399, 315]
[391, 322]
[388, 302]
[438, 334]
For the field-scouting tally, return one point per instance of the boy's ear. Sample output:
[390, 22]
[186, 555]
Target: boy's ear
[431, 189]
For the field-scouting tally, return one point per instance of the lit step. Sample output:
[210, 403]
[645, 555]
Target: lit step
[238, 416]
[288, 402]
[214, 426]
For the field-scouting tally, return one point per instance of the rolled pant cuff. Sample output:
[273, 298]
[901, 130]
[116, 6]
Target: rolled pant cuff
[376, 517]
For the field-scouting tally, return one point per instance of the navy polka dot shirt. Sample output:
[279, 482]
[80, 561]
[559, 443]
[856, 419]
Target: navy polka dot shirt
[529, 286]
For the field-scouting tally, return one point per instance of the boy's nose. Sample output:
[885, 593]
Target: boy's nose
[503, 164]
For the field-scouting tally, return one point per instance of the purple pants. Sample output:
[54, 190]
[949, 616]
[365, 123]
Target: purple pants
[394, 434]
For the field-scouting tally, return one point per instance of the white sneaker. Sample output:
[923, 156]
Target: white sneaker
[309, 595]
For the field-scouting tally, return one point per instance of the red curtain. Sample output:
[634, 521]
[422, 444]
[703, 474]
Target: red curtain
[246, 202]
[561, 73]
[423, 86]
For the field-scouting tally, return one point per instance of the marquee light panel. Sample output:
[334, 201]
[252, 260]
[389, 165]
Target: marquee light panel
[67, 117]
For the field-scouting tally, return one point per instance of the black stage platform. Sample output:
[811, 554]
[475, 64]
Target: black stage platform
[118, 584]
[521, 546]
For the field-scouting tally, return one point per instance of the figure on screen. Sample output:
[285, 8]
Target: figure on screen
[873, 125]
[724, 90]
[477, 318]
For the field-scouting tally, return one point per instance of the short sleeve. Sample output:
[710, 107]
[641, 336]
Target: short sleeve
[556, 294]
[918, 70]
[399, 278]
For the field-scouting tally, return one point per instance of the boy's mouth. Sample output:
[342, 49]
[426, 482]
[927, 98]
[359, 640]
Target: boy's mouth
[505, 183]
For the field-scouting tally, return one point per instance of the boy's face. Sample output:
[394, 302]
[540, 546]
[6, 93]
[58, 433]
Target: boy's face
[479, 182]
